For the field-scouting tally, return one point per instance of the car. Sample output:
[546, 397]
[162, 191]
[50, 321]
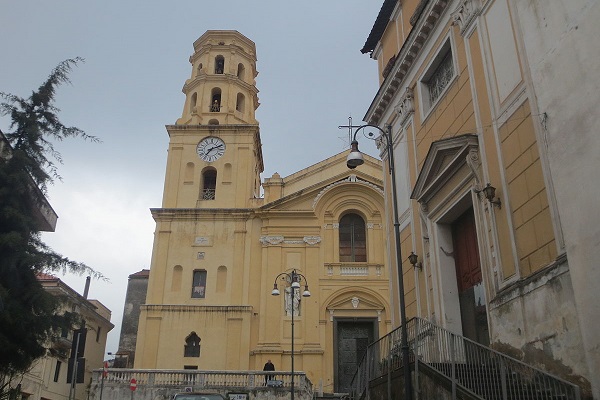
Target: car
[199, 396]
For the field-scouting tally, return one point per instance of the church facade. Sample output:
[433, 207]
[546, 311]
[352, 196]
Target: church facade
[220, 243]
[493, 113]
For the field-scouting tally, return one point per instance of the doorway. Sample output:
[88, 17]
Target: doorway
[351, 339]
[471, 294]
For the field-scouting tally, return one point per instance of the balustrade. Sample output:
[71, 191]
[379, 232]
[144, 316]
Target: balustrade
[116, 381]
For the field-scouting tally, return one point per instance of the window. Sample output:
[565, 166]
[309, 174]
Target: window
[215, 105]
[438, 77]
[199, 284]
[241, 71]
[192, 345]
[193, 102]
[219, 64]
[441, 78]
[57, 371]
[239, 103]
[353, 240]
[209, 184]
[98, 333]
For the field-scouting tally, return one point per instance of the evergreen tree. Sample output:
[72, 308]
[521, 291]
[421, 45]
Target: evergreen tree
[28, 320]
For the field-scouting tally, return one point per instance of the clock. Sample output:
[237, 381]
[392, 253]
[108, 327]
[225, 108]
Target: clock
[210, 149]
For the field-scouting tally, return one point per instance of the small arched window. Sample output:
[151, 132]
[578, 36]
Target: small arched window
[240, 103]
[219, 64]
[193, 102]
[353, 239]
[209, 184]
[192, 346]
[241, 72]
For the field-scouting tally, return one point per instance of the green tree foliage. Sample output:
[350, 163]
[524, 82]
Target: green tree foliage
[28, 320]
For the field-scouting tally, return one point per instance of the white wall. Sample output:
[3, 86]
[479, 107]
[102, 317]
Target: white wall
[561, 40]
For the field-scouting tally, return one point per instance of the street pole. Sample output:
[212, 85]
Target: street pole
[355, 159]
[74, 372]
[293, 279]
[292, 295]
[403, 330]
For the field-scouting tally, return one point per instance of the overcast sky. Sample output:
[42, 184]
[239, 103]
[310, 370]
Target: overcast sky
[312, 76]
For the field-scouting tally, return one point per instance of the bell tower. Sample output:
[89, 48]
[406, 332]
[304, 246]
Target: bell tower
[215, 156]
[222, 88]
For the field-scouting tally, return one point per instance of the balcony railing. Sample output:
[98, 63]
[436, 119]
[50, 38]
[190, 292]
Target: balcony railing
[208, 194]
[358, 269]
[117, 381]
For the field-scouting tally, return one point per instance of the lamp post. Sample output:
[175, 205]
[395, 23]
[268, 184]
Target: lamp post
[292, 279]
[354, 159]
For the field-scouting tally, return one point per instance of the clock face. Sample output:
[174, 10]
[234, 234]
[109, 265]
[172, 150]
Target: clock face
[210, 149]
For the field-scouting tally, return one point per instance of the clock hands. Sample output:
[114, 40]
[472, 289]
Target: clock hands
[213, 148]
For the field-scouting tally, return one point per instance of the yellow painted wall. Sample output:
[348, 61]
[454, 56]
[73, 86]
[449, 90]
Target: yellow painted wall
[243, 243]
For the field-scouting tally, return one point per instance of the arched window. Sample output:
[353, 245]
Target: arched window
[353, 239]
[215, 105]
[239, 104]
[209, 184]
[219, 64]
[192, 346]
[241, 71]
[193, 102]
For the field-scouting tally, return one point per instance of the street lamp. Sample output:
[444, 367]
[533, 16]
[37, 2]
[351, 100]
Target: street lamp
[354, 159]
[292, 279]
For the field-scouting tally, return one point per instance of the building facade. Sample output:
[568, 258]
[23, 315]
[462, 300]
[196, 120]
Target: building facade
[470, 90]
[220, 243]
[50, 377]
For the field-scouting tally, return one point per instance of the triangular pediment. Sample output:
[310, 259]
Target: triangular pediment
[303, 189]
[444, 159]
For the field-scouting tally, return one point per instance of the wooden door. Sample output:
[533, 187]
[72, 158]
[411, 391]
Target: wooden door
[469, 279]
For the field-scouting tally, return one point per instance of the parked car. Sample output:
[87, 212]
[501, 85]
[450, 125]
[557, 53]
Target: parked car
[198, 396]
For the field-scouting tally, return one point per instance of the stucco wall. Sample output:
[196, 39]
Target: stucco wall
[560, 39]
[533, 321]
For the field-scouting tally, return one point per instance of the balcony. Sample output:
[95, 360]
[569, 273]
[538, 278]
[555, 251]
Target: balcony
[355, 269]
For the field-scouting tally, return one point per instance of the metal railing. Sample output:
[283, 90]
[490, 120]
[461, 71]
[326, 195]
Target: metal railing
[178, 380]
[469, 366]
[208, 194]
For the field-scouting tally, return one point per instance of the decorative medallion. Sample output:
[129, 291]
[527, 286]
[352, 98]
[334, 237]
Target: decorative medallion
[266, 240]
[312, 240]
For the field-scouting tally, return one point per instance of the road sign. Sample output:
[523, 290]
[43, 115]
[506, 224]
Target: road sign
[133, 384]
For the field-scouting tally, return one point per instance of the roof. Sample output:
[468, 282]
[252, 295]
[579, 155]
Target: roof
[145, 273]
[379, 27]
[42, 276]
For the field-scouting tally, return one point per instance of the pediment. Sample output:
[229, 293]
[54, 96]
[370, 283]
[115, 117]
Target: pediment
[355, 302]
[444, 159]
